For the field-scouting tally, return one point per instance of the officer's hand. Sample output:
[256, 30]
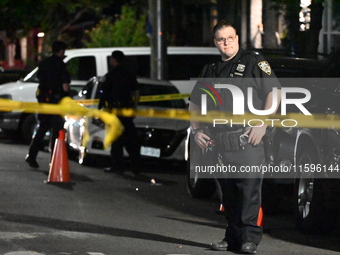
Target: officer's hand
[201, 139]
[255, 134]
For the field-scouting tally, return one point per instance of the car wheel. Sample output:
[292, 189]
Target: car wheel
[28, 126]
[198, 187]
[311, 214]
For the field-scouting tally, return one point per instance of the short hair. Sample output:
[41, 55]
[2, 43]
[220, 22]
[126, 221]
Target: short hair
[58, 46]
[221, 24]
[118, 56]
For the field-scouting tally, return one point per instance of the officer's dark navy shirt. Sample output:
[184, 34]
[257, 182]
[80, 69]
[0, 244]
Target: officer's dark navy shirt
[52, 74]
[117, 89]
[246, 69]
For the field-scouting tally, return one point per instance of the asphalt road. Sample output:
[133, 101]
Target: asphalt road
[106, 214]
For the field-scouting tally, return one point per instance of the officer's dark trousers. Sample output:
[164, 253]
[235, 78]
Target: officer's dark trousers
[47, 122]
[242, 196]
[129, 140]
[242, 200]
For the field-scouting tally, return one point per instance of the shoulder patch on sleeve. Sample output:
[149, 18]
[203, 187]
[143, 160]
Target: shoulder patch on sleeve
[265, 67]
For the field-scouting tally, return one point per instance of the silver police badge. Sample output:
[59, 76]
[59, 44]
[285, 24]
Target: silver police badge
[265, 67]
[240, 67]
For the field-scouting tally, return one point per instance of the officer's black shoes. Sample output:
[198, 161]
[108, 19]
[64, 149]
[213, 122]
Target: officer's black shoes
[248, 248]
[225, 245]
[219, 246]
[108, 170]
[31, 162]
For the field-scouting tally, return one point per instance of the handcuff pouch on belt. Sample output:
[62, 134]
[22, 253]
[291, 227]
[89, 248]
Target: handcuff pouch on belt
[231, 141]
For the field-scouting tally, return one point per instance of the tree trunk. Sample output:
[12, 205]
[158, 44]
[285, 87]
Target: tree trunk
[293, 25]
[270, 25]
[312, 37]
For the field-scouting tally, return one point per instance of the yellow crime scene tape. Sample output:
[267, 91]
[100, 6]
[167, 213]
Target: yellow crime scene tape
[114, 128]
[292, 119]
[152, 98]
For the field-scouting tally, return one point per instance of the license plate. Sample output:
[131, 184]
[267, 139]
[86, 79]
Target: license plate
[149, 151]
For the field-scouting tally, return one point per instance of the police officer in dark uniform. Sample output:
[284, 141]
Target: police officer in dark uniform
[120, 89]
[241, 192]
[54, 84]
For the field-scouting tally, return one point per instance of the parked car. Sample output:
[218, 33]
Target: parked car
[316, 197]
[160, 138]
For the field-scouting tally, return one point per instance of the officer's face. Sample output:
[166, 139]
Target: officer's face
[61, 53]
[113, 61]
[226, 42]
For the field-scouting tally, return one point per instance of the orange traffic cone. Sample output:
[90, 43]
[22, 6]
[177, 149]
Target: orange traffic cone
[260, 218]
[59, 169]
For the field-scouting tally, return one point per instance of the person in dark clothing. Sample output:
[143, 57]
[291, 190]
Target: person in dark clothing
[241, 193]
[120, 89]
[54, 84]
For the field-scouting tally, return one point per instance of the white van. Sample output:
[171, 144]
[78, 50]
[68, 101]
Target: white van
[184, 65]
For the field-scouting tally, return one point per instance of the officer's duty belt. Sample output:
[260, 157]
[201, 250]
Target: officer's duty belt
[231, 140]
